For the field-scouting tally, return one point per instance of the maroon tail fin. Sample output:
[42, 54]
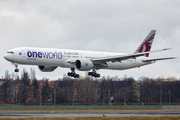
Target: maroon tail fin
[147, 43]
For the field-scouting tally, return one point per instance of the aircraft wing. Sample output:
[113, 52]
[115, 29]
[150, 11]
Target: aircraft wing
[118, 58]
[151, 59]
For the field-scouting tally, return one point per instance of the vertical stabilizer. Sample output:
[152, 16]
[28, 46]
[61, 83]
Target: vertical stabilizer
[147, 43]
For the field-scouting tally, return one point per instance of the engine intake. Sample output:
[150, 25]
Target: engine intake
[47, 68]
[84, 65]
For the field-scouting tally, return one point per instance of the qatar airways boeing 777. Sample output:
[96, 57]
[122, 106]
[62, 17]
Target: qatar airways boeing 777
[49, 59]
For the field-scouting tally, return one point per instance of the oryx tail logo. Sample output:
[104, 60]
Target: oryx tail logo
[146, 46]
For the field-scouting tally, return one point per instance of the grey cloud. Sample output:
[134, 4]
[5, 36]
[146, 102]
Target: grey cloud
[120, 25]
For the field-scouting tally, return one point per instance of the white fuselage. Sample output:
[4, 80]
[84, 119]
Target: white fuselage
[60, 57]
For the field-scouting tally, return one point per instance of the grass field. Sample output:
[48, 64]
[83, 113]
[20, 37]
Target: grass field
[89, 111]
[81, 107]
[99, 118]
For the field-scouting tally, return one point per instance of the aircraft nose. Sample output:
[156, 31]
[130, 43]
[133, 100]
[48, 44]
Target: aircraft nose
[8, 57]
[5, 56]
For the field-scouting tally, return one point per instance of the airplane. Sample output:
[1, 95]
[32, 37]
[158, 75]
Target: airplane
[48, 59]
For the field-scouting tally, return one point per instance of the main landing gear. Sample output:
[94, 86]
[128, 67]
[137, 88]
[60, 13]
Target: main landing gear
[16, 65]
[73, 74]
[94, 74]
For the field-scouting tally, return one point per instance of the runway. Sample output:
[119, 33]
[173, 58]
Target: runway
[39, 115]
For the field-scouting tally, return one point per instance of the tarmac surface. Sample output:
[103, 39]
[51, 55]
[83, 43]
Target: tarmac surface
[24, 115]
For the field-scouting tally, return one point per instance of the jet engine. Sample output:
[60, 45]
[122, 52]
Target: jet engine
[83, 65]
[47, 68]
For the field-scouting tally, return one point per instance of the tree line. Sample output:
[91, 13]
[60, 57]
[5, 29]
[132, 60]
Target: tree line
[120, 91]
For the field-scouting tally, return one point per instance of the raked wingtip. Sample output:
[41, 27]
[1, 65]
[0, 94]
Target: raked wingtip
[167, 48]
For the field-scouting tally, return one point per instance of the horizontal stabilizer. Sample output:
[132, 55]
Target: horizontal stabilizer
[149, 60]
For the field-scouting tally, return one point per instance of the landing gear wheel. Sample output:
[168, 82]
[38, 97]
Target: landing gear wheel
[73, 73]
[89, 73]
[69, 74]
[94, 74]
[77, 75]
[16, 70]
[98, 75]
[16, 66]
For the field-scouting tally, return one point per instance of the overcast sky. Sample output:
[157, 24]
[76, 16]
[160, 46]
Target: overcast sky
[98, 25]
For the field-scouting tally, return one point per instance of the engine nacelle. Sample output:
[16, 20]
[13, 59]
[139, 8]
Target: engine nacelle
[84, 65]
[47, 68]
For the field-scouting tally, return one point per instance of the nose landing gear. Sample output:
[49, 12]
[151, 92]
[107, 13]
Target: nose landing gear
[16, 70]
[16, 65]
[73, 73]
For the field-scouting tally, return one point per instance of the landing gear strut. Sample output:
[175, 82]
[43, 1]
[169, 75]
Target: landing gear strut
[73, 74]
[94, 74]
[16, 65]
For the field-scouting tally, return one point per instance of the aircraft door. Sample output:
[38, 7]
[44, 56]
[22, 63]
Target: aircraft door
[23, 53]
[134, 61]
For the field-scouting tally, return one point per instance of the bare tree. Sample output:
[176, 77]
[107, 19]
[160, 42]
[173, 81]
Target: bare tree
[32, 74]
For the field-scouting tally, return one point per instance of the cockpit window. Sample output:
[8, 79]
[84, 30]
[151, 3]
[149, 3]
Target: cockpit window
[10, 52]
